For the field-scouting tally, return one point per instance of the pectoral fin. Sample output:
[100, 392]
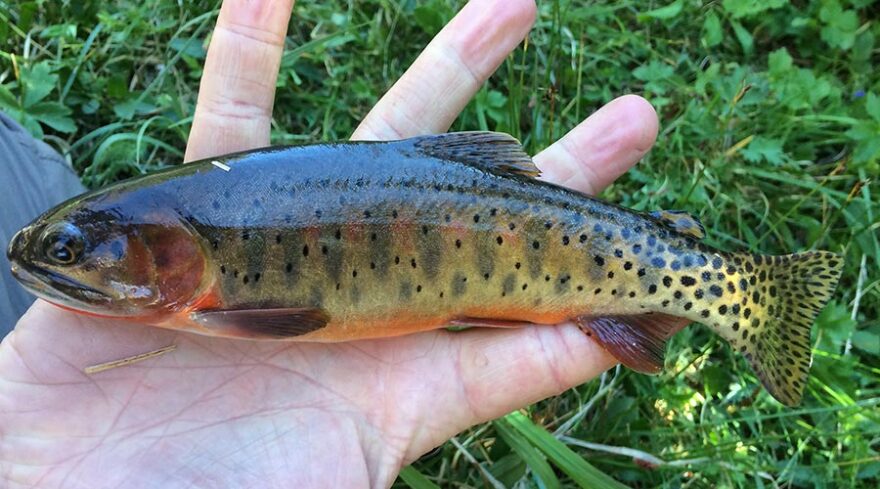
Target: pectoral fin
[262, 324]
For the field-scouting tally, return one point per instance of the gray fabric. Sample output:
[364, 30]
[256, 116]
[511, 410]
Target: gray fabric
[33, 178]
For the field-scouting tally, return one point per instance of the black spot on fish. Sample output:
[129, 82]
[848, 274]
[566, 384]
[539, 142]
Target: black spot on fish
[257, 277]
[641, 272]
[394, 214]
[565, 241]
[716, 291]
[499, 240]
[610, 274]
[245, 235]
[652, 289]
[511, 226]
[688, 281]
[338, 234]
[667, 281]
[223, 269]
[704, 313]
[413, 263]
[476, 218]
[599, 260]
[582, 238]
[536, 244]
[458, 243]
[628, 265]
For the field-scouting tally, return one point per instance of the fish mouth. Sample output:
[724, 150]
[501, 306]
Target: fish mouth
[56, 287]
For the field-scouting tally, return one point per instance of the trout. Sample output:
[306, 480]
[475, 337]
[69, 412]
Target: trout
[353, 240]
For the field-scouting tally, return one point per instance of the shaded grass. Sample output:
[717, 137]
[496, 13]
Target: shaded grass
[770, 133]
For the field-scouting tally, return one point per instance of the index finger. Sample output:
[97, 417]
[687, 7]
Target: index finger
[237, 90]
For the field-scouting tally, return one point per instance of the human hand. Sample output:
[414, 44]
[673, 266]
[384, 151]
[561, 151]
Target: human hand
[224, 413]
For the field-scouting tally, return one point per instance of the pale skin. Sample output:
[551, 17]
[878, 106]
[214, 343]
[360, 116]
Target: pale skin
[234, 414]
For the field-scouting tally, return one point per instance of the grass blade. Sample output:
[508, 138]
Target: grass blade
[416, 479]
[584, 474]
[532, 457]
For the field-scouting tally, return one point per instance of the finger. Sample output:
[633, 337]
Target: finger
[447, 74]
[237, 90]
[602, 147]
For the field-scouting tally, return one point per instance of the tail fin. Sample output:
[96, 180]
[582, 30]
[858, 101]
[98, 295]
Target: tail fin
[780, 298]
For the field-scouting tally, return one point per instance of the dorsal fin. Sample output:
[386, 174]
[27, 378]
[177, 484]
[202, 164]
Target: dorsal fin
[491, 151]
[682, 222]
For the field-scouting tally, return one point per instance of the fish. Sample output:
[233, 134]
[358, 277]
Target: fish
[344, 241]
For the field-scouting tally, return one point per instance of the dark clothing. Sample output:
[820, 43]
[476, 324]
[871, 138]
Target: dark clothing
[33, 178]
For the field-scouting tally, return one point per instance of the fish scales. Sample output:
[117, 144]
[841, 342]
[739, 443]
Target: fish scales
[346, 241]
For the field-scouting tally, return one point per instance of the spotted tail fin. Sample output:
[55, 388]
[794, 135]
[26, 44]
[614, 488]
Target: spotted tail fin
[780, 298]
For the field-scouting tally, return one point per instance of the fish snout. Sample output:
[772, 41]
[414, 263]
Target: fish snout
[14, 247]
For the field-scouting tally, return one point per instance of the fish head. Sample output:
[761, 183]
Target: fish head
[107, 256]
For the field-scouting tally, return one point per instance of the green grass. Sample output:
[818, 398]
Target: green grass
[770, 133]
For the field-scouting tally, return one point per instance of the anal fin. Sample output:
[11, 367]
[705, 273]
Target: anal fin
[637, 341]
[262, 324]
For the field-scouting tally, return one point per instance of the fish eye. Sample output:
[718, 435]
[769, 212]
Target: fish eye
[63, 244]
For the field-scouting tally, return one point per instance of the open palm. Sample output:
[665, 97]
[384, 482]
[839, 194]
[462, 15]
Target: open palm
[226, 413]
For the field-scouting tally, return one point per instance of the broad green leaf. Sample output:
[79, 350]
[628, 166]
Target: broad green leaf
[37, 82]
[840, 25]
[54, 115]
[779, 63]
[712, 34]
[532, 457]
[764, 149]
[67, 31]
[743, 36]
[868, 341]
[744, 8]
[584, 474]
[415, 479]
[662, 13]
[872, 105]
